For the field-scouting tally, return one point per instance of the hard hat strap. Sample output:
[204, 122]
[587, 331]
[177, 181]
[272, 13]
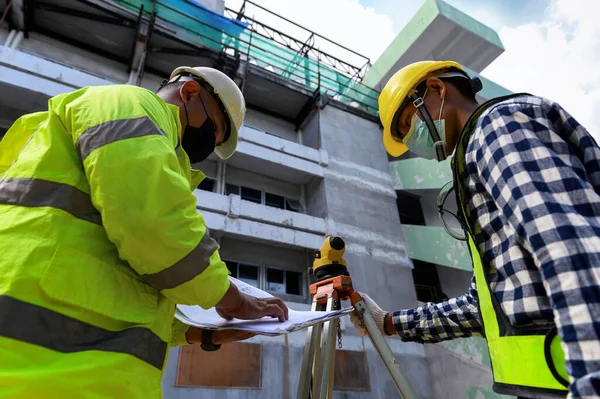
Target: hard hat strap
[439, 145]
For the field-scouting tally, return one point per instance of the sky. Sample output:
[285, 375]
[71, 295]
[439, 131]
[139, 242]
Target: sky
[552, 47]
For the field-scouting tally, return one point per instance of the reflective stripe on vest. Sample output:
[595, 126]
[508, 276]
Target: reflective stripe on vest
[52, 330]
[33, 193]
[113, 131]
[192, 265]
[522, 364]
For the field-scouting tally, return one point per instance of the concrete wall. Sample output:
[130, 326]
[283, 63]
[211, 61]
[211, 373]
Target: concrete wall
[74, 57]
[270, 125]
[281, 361]
[311, 132]
[361, 207]
[316, 198]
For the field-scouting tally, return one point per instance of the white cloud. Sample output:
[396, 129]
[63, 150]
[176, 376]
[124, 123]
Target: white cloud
[347, 22]
[558, 58]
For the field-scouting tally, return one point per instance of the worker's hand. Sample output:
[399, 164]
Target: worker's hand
[377, 313]
[225, 336]
[236, 304]
[194, 336]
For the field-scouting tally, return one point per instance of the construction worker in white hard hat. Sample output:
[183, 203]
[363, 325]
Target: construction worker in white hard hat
[526, 176]
[100, 237]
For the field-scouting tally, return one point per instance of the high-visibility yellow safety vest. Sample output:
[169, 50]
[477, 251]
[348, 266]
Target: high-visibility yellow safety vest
[525, 361]
[99, 239]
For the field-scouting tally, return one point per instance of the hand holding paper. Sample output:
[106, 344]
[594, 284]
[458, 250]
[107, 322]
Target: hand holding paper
[247, 307]
[296, 320]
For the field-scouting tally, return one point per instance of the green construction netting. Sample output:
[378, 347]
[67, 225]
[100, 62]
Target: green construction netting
[206, 28]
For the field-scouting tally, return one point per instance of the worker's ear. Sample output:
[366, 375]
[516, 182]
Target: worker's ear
[188, 90]
[436, 86]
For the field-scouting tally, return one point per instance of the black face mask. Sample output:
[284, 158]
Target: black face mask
[199, 142]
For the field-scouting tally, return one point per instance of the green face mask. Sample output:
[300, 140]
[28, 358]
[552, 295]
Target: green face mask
[419, 139]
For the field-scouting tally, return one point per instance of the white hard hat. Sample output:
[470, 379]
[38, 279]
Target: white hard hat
[230, 96]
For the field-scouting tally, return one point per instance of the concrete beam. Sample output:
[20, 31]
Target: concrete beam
[232, 215]
[278, 158]
[438, 32]
[288, 147]
[50, 78]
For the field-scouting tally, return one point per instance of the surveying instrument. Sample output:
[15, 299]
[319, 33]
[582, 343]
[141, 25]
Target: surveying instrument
[333, 286]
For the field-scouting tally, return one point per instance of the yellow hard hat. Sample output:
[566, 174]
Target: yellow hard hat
[396, 90]
[229, 94]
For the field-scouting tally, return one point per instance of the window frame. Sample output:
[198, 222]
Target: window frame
[262, 280]
[263, 198]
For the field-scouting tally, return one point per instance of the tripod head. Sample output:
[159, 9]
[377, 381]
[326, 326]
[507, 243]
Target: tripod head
[329, 261]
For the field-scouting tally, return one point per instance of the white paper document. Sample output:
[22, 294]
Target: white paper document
[210, 319]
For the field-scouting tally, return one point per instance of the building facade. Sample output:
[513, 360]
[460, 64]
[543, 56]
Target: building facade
[310, 163]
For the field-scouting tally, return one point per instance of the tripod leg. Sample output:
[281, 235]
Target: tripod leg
[385, 353]
[329, 356]
[307, 373]
[332, 369]
[317, 362]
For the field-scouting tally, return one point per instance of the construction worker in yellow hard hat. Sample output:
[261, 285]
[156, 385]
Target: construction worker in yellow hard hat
[100, 237]
[526, 176]
[400, 100]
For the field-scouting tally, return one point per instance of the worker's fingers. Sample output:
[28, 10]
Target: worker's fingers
[370, 303]
[275, 310]
[357, 324]
[279, 302]
[366, 298]
[223, 314]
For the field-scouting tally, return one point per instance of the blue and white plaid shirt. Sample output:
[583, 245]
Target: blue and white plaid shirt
[534, 189]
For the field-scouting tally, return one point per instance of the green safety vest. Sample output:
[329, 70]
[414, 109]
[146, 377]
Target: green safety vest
[525, 361]
[100, 238]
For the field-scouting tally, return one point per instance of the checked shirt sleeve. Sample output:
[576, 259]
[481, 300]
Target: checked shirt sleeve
[542, 169]
[435, 322]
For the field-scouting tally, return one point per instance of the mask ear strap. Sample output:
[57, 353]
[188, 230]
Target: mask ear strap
[440, 146]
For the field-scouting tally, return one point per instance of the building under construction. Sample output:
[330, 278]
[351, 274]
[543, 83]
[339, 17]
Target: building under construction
[310, 163]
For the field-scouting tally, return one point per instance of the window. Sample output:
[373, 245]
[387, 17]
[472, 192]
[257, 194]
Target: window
[247, 273]
[232, 189]
[293, 283]
[207, 185]
[409, 209]
[292, 205]
[274, 200]
[252, 195]
[283, 281]
[276, 281]
[269, 199]
[427, 283]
